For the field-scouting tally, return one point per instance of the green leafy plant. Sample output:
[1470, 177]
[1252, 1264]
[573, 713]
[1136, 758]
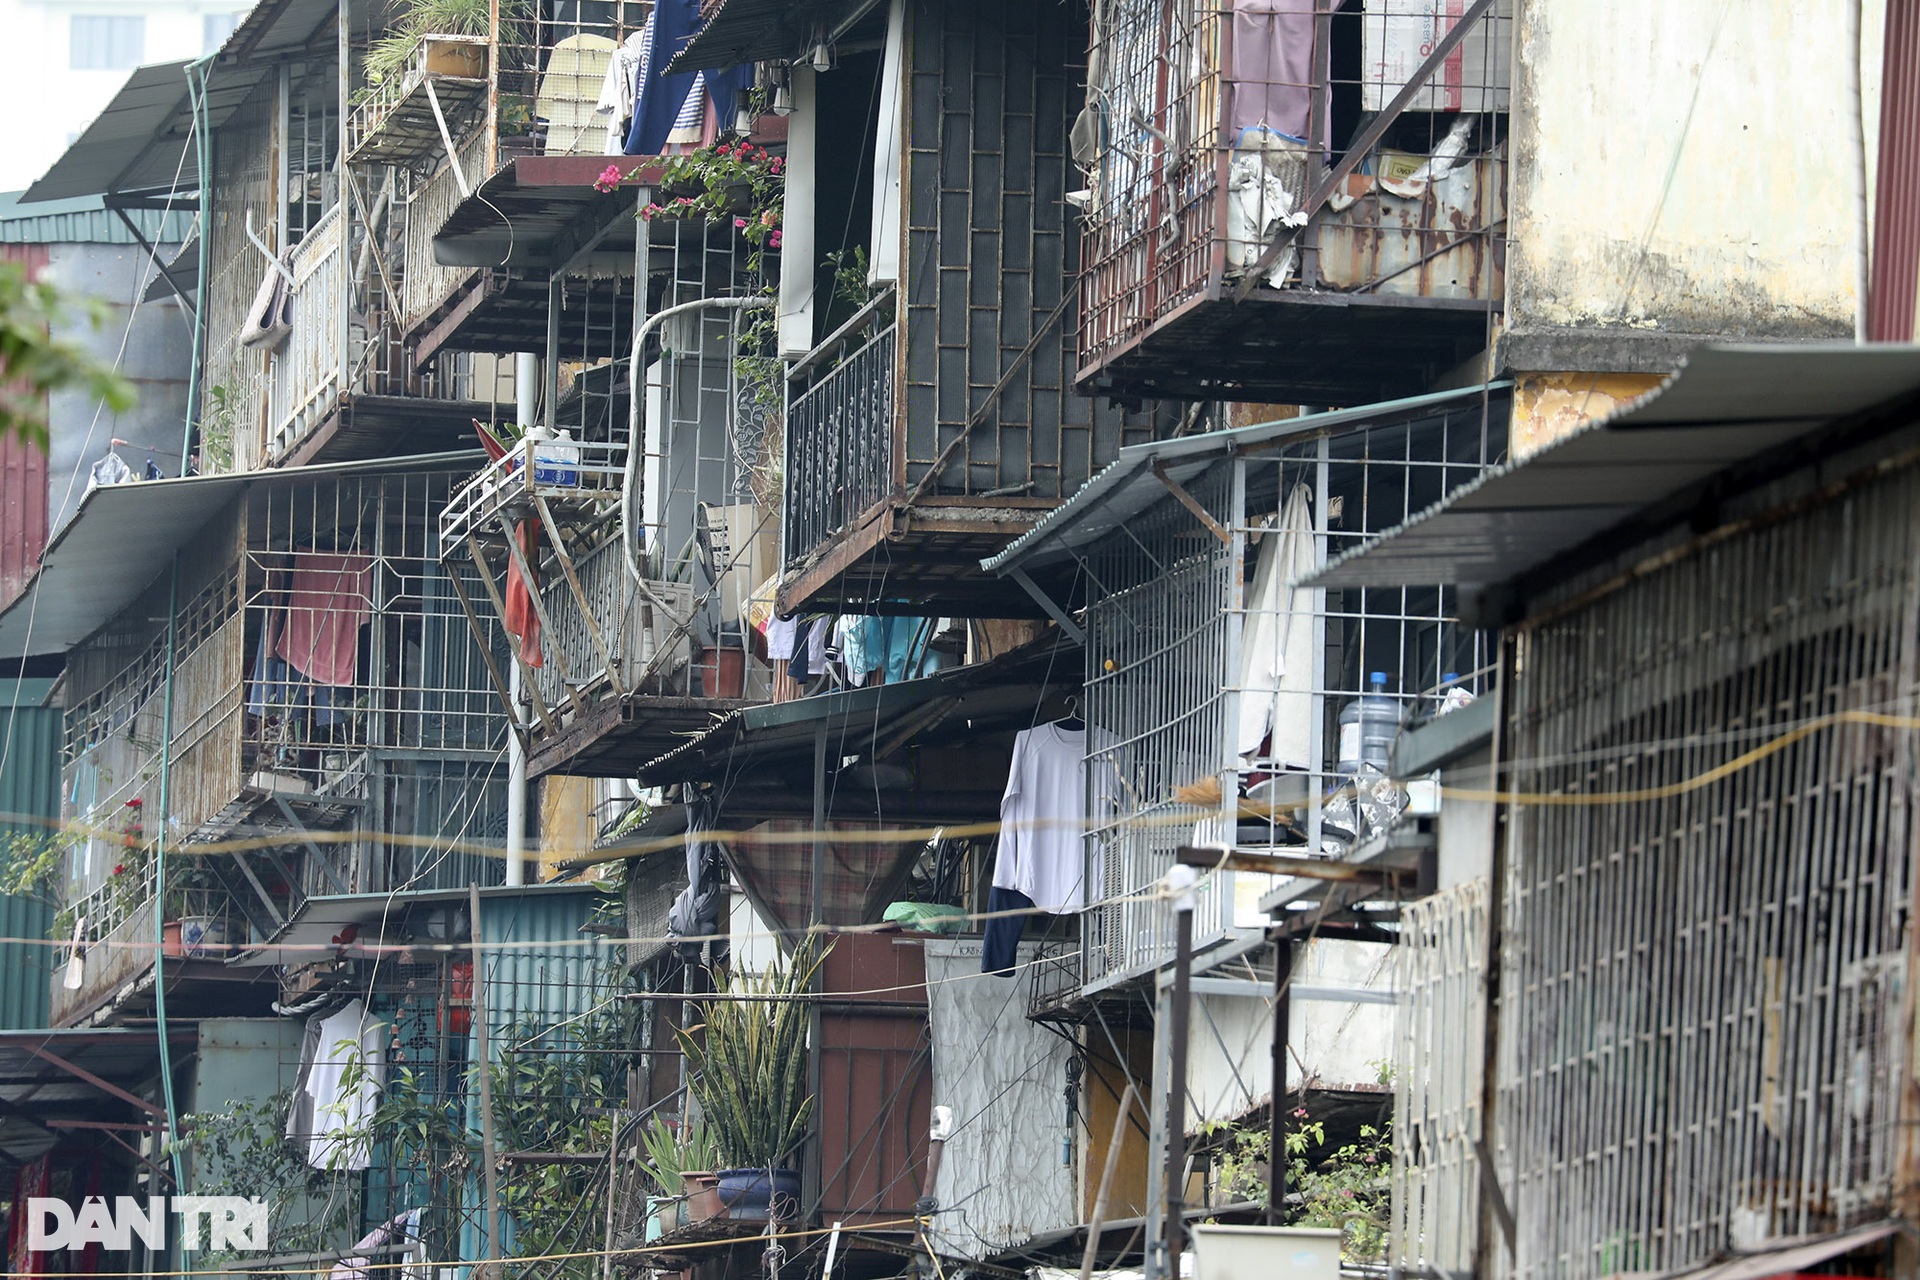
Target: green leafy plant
[389, 56]
[1347, 1188]
[30, 863]
[750, 1062]
[34, 364]
[193, 887]
[516, 115]
[851, 290]
[216, 429]
[557, 1089]
[692, 1149]
[242, 1150]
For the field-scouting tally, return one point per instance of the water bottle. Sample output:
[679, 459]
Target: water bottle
[1368, 726]
[556, 458]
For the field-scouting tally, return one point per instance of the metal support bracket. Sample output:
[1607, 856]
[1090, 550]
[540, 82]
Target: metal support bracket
[299, 832]
[1073, 629]
[1191, 503]
[500, 611]
[446, 138]
[514, 725]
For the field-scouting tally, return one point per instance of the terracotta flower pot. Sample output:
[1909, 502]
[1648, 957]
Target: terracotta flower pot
[703, 1195]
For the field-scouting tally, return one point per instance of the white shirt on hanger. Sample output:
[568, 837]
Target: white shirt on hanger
[337, 1112]
[1043, 819]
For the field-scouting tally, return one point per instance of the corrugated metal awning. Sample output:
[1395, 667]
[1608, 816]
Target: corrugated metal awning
[1002, 692]
[87, 220]
[142, 143]
[765, 30]
[40, 1087]
[1128, 485]
[123, 537]
[1725, 406]
[1782, 1258]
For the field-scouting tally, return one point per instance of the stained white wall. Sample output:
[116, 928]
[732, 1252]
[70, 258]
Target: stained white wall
[1334, 1044]
[1746, 105]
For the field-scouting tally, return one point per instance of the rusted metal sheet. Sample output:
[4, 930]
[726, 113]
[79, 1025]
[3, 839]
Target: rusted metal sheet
[876, 1079]
[23, 514]
[1436, 244]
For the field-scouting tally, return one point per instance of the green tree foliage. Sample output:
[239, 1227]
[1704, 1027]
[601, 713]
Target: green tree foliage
[1348, 1187]
[33, 363]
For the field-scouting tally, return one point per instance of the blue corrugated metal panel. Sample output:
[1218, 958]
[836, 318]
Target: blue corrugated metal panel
[85, 220]
[30, 797]
[530, 984]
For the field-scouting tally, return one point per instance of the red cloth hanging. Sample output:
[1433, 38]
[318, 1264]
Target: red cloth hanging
[523, 621]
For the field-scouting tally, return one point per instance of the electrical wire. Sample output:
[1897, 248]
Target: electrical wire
[435, 1267]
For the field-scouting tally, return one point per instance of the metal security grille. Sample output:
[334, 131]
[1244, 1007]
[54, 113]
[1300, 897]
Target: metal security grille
[1437, 1052]
[1700, 1041]
[1157, 657]
[1209, 129]
[1177, 624]
[840, 442]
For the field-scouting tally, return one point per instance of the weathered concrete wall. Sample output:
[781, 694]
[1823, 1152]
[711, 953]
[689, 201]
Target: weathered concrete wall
[1754, 238]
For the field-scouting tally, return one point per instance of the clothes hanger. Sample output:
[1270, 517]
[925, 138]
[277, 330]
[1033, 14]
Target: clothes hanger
[1072, 721]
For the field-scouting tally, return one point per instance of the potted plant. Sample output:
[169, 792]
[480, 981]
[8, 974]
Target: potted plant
[681, 1166]
[196, 909]
[750, 1074]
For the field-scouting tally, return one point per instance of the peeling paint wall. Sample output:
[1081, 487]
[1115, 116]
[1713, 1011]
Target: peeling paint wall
[1755, 237]
[1547, 406]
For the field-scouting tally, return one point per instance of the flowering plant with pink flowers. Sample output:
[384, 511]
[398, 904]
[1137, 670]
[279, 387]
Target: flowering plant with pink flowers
[732, 181]
[743, 186]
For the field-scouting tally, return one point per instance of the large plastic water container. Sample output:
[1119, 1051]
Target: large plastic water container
[556, 460]
[1368, 726]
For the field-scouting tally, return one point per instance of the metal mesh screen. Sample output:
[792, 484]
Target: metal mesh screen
[1440, 965]
[1700, 1044]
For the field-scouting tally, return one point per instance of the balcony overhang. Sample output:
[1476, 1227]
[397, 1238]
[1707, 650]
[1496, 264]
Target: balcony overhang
[1614, 483]
[122, 537]
[538, 211]
[957, 703]
[918, 561]
[363, 925]
[537, 216]
[619, 735]
[53, 1082]
[504, 311]
[1295, 346]
[365, 428]
[1139, 479]
[740, 31]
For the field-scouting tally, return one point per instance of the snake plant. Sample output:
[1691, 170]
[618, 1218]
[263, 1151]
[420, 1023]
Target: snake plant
[750, 1062]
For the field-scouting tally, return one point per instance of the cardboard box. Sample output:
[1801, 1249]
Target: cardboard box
[1399, 34]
